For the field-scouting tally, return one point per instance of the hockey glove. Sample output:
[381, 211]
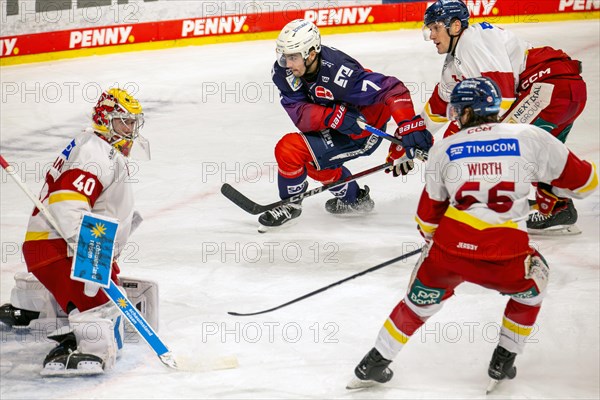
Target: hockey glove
[414, 135]
[402, 164]
[343, 119]
[547, 202]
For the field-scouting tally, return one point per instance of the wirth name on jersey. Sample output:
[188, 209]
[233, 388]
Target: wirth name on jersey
[478, 181]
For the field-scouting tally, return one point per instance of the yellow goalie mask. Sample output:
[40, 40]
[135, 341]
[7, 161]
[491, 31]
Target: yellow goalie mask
[118, 117]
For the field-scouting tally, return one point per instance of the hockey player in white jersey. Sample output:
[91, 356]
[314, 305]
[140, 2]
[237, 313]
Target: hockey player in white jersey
[516, 66]
[472, 214]
[90, 175]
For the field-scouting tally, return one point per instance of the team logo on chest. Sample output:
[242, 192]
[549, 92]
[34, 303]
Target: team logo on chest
[323, 93]
[295, 83]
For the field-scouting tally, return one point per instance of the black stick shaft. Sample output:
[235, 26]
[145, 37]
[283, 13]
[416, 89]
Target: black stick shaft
[375, 268]
[254, 208]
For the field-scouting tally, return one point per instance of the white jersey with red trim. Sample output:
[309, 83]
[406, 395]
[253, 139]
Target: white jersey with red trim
[89, 175]
[482, 50]
[478, 180]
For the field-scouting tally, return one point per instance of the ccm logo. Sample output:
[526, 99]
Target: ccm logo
[533, 78]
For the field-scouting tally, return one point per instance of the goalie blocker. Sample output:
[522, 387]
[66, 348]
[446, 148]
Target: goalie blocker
[33, 307]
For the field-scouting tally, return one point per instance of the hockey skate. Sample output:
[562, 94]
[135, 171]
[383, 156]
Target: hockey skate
[278, 216]
[561, 222]
[363, 204]
[372, 370]
[501, 367]
[16, 317]
[65, 360]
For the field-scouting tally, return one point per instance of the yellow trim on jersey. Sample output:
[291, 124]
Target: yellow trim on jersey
[593, 182]
[520, 330]
[434, 117]
[67, 196]
[425, 227]
[506, 104]
[475, 222]
[36, 236]
[395, 333]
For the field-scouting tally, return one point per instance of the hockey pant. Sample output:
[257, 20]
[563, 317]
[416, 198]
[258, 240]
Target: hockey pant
[569, 96]
[48, 261]
[438, 273]
[321, 156]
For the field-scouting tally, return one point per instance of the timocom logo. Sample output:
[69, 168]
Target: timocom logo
[8, 47]
[578, 5]
[100, 37]
[339, 16]
[213, 26]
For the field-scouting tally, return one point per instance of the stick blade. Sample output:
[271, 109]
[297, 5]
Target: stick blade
[241, 201]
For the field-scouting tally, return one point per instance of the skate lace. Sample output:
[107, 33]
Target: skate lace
[340, 205]
[538, 217]
[281, 211]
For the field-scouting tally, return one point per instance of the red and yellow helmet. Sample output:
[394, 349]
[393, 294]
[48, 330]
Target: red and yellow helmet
[118, 117]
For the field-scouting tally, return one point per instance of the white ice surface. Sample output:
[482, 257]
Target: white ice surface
[214, 117]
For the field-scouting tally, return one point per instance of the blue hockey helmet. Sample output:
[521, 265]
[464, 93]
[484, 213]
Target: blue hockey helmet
[481, 94]
[446, 11]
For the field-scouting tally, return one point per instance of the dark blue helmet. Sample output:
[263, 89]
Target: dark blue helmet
[481, 94]
[446, 11]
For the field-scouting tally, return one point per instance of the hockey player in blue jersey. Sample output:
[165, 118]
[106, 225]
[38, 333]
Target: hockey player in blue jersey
[325, 92]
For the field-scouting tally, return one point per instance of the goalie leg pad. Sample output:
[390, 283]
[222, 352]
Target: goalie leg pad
[99, 332]
[143, 295]
[89, 345]
[31, 295]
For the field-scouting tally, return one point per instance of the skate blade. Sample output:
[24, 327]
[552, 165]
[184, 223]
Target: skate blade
[564, 230]
[97, 370]
[356, 383]
[264, 229]
[491, 386]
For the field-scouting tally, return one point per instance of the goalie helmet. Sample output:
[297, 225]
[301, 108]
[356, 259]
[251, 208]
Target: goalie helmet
[447, 11]
[299, 36]
[118, 118]
[481, 94]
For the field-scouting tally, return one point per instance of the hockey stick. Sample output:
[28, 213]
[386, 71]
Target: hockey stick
[420, 154]
[122, 303]
[254, 208]
[375, 268]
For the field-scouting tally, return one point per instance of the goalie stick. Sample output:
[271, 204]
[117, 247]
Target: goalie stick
[375, 268]
[113, 293]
